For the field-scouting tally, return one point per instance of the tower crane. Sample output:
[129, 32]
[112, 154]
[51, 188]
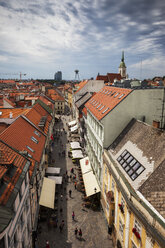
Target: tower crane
[20, 74]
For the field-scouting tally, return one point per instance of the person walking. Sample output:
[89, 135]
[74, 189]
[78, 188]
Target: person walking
[76, 231]
[47, 244]
[70, 193]
[73, 215]
[75, 185]
[80, 233]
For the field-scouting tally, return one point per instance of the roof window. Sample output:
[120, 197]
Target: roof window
[101, 108]
[113, 93]
[109, 93]
[132, 167]
[30, 148]
[105, 110]
[121, 96]
[37, 133]
[34, 140]
[98, 106]
[92, 101]
[116, 95]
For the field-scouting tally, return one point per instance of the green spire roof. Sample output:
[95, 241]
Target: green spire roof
[122, 64]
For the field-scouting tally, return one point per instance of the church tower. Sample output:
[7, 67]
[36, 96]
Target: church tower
[122, 67]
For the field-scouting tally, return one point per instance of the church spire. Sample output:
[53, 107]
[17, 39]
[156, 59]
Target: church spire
[122, 66]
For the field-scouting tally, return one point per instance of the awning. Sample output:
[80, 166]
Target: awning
[77, 154]
[48, 193]
[85, 165]
[74, 128]
[53, 170]
[75, 145]
[90, 182]
[72, 123]
[58, 180]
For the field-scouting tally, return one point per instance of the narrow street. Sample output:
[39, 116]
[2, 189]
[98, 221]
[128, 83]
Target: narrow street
[92, 223]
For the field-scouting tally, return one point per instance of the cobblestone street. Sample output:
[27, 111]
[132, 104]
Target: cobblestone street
[92, 223]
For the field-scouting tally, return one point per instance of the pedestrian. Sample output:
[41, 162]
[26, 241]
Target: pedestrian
[75, 185]
[80, 233]
[70, 193]
[47, 244]
[76, 231]
[73, 215]
[70, 177]
[74, 177]
[72, 171]
[61, 197]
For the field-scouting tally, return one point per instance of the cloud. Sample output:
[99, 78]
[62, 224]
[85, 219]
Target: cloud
[85, 33]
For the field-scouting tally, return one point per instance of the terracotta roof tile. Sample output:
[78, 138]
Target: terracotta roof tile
[5, 112]
[35, 115]
[16, 161]
[106, 100]
[81, 85]
[10, 102]
[19, 135]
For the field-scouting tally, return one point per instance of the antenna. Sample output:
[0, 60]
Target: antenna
[77, 74]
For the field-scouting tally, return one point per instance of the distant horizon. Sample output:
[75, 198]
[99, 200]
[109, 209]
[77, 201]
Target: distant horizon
[42, 37]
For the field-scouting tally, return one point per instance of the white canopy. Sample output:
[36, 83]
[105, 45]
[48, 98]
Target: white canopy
[53, 170]
[47, 193]
[74, 128]
[90, 182]
[72, 123]
[85, 165]
[77, 154]
[58, 180]
[75, 145]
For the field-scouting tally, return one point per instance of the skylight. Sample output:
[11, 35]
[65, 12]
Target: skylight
[30, 148]
[98, 106]
[132, 167]
[34, 140]
[101, 108]
[92, 101]
[116, 95]
[105, 110]
[109, 92]
[37, 133]
[121, 96]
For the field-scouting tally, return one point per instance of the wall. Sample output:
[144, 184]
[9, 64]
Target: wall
[139, 103]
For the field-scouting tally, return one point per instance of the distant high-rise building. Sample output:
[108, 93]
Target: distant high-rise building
[58, 76]
[122, 67]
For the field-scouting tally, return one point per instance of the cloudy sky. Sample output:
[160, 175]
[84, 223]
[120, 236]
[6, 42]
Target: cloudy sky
[40, 37]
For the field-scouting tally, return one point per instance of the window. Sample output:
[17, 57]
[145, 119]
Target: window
[105, 110]
[130, 165]
[37, 133]
[101, 108]
[116, 95]
[98, 106]
[121, 228]
[30, 148]
[34, 140]
[123, 203]
[121, 96]
[113, 185]
[137, 226]
[133, 245]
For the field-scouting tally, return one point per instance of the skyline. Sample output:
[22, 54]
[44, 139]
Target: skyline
[42, 37]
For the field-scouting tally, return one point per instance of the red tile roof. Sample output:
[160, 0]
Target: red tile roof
[102, 77]
[35, 115]
[46, 101]
[84, 111]
[9, 157]
[106, 100]
[5, 112]
[81, 85]
[19, 135]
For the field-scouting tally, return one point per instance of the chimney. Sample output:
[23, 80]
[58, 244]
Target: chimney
[156, 124]
[11, 115]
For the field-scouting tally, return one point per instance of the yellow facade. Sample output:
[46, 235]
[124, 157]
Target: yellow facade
[70, 99]
[128, 231]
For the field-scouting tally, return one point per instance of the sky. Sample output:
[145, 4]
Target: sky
[41, 37]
